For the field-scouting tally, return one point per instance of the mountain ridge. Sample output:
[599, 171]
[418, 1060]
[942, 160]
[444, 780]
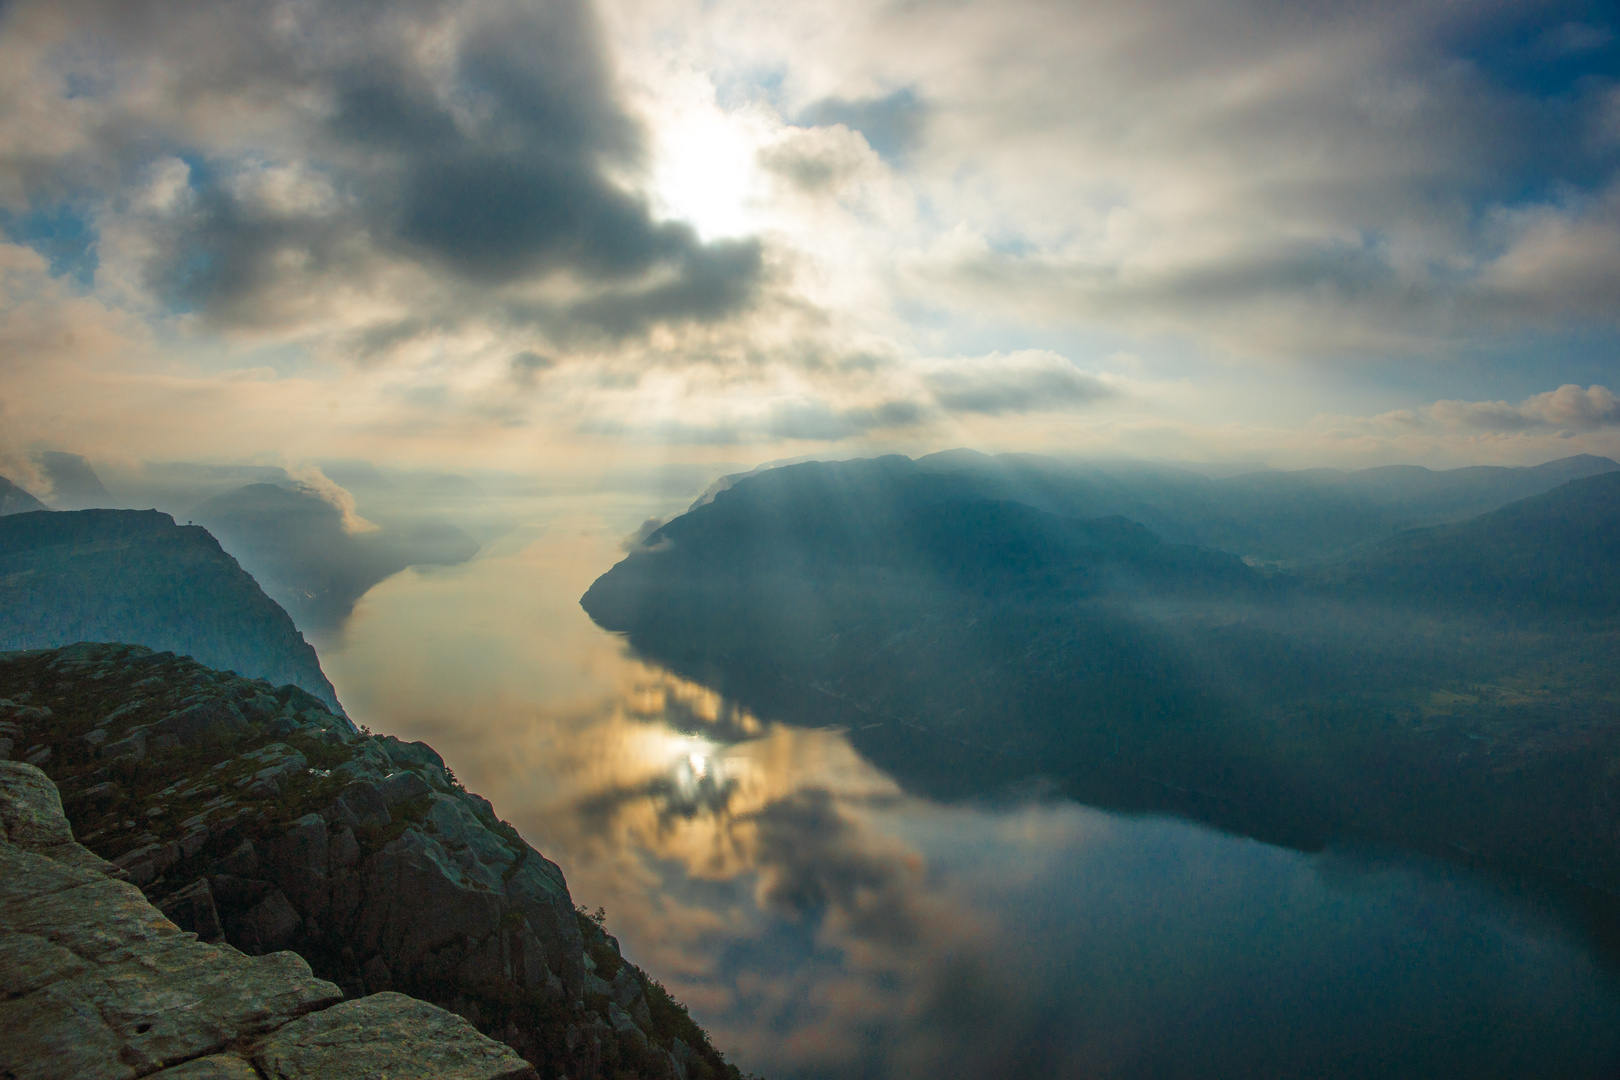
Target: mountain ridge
[1289, 704]
[134, 575]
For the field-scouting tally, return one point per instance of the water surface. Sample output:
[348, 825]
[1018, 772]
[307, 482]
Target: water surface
[820, 921]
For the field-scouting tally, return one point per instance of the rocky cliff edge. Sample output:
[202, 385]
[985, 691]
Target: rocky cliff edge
[95, 984]
[256, 819]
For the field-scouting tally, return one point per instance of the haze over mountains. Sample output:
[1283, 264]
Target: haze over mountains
[298, 536]
[978, 622]
[137, 577]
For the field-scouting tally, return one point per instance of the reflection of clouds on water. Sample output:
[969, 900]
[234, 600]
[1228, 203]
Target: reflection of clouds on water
[820, 922]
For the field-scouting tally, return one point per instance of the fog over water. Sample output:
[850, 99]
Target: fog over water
[822, 922]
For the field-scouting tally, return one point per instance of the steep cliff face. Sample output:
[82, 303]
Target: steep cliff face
[136, 576]
[254, 816]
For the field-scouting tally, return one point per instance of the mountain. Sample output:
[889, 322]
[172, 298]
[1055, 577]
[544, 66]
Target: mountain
[1555, 552]
[14, 500]
[254, 818]
[1445, 689]
[74, 484]
[134, 575]
[313, 560]
[1270, 516]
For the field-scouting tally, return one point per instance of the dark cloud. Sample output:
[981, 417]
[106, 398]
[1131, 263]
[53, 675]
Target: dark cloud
[892, 125]
[817, 420]
[527, 366]
[710, 282]
[1013, 387]
[814, 863]
[808, 419]
[497, 157]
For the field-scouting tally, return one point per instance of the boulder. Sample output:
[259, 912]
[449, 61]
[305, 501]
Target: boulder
[269, 926]
[297, 861]
[386, 1034]
[361, 805]
[207, 721]
[192, 908]
[402, 788]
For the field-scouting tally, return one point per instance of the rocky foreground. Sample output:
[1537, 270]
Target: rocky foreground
[258, 820]
[95, 984]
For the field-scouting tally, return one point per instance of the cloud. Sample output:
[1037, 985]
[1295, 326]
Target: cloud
[818, 160]
[1569, 407]
[1022, 382]
[312, 480]
[814, 864]
[891, 124]
[799, 419]
[265, 166]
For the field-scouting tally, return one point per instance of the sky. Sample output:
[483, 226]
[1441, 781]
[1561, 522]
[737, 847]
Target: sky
[566, 237]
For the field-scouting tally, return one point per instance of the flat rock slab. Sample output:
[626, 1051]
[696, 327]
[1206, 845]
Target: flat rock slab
[386, 1035]
[94, 982]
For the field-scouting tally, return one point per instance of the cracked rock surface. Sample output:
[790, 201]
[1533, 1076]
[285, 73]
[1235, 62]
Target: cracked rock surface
[95, 983]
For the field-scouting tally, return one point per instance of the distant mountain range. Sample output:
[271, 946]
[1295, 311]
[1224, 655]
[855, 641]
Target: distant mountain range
[1271, 515]
[135, 576]
[1288, 655]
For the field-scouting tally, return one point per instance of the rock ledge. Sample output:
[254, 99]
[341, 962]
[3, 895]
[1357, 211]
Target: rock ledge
[95, 983]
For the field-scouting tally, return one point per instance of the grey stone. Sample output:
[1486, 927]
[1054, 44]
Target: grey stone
[30, 808]
[403, 787]
[627, 992]
[212, 1067]
[297, 862]
[417, 899]
[390, 1035]
[269, 926]
[364, 806]
[206, 722]
[192, 908]
[376, 976]
[132, 745]
[28, 962]
[343, 849]
[404, 753]
[243, 861]
[623, 1024]
[97, 984]
[144, 864]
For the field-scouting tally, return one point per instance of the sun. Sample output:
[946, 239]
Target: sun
[705, 172]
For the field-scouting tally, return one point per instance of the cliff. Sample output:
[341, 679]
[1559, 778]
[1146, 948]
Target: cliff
[95, 983]
[136, 576]
[254, 817]
[14, 500]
